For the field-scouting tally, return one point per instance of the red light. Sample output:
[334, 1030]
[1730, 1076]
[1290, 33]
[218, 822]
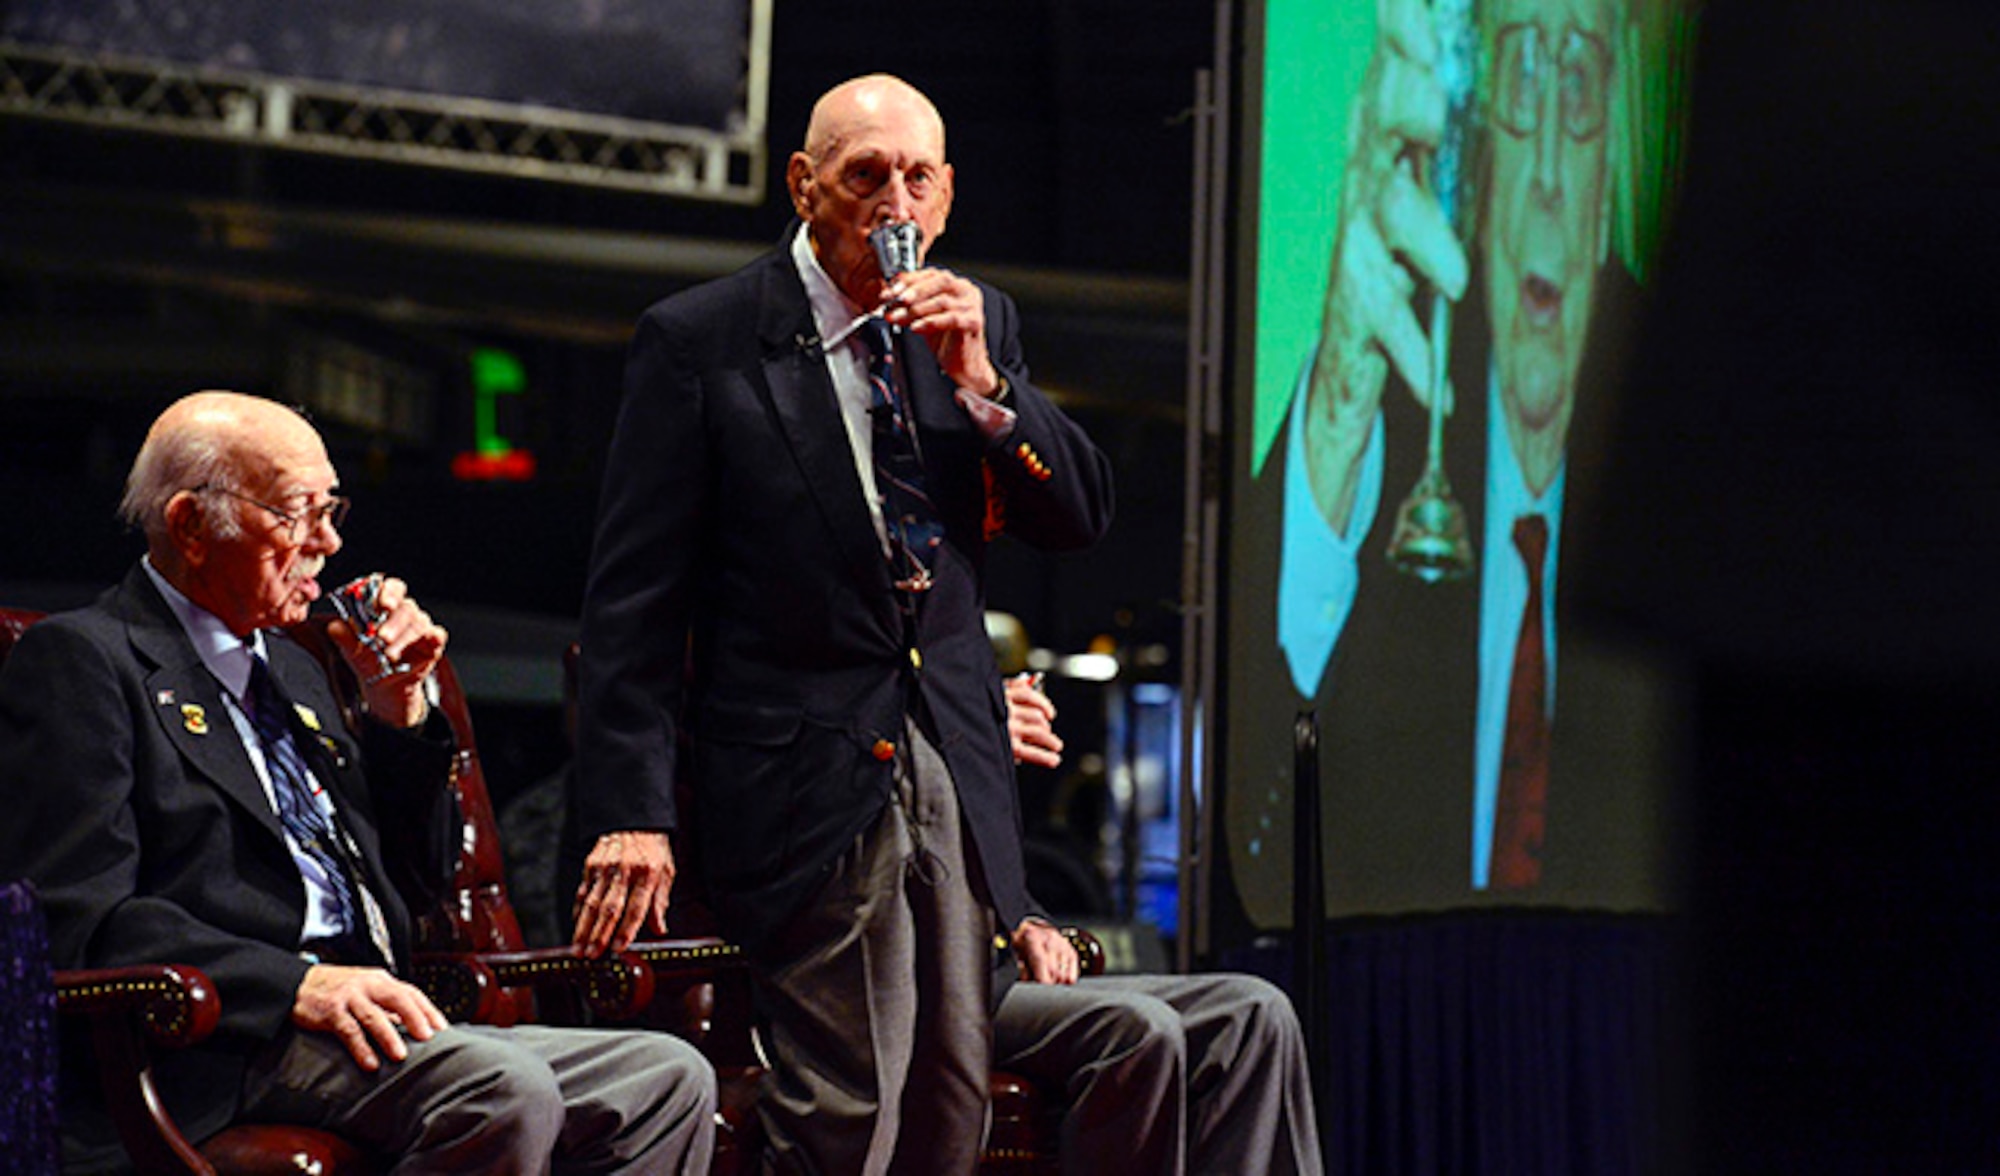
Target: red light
[507, 465]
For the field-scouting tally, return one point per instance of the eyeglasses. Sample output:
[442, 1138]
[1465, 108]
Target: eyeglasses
[1583, 66]
[303, 522]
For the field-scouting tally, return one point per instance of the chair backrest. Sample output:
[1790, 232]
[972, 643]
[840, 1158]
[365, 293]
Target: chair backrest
[13, 623]
[476, 915]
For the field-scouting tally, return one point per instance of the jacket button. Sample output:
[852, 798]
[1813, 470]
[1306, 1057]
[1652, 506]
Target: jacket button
[884, 750]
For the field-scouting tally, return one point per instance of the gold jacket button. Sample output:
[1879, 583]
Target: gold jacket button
[916, 657]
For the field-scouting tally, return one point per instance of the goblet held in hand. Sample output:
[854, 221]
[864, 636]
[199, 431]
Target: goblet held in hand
[1431, 540]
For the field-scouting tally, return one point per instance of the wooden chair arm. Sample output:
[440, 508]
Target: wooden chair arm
[467, 986]
[686, 959]
[171, 1004]
[130, 1009]
[703, 996]
[1089, 950]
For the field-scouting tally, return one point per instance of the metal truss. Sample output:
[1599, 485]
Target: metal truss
[466, 134]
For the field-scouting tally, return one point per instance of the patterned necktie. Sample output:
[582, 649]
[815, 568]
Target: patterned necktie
[310, 825]
[914, 529]
[1520, 819]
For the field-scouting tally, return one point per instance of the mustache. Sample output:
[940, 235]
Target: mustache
[307, 569]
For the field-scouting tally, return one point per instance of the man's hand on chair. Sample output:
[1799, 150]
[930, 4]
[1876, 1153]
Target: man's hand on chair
[626, 882]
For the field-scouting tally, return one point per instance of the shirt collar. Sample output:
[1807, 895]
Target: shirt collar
[832, 310]
[1507, 492]
[226, 655]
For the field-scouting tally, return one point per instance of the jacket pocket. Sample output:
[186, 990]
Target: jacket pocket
[745, 763]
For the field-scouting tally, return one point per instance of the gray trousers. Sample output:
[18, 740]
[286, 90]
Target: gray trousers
[875, 1018]
[526, 1099]
[1167, 1075]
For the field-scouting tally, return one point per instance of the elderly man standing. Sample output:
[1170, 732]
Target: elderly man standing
[811, 458]
[180, 790]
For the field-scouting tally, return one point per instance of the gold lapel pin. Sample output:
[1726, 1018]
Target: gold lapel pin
[194, 718]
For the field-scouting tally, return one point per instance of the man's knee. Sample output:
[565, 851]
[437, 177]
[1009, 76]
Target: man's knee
[486, 1088]
[675, 1068]
[1271, 1023]
[1145, 1027]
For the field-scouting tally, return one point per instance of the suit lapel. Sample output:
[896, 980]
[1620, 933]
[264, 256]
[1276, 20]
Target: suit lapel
[187, 702]
[808, 414]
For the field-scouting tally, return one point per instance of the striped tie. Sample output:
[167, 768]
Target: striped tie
[307, 822]
[914, 529]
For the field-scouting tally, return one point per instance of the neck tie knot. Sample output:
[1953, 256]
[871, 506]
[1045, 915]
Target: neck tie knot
[1531, 538]
[262, 700]
[876, 335]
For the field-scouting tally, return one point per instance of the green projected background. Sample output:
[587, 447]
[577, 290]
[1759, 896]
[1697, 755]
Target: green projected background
[1308, 51]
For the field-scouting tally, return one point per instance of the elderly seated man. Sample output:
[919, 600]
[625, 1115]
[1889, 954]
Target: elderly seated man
[179, 788]
[1162, 1074]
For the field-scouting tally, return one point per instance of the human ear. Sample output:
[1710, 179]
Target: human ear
[187, 526]
[798, 181]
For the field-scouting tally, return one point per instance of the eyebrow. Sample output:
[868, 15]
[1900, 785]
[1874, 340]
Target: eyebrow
[295, 490]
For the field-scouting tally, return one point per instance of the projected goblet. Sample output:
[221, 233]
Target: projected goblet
[1431, 541]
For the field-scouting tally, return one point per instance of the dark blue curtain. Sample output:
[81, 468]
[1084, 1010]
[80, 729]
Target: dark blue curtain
[1494, 1043]
[27, 1036]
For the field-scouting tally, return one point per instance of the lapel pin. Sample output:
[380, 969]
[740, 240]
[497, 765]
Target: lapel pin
[306, 716]
[164, 698]
[194, 718]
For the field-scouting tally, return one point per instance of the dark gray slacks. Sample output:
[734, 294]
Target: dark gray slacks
[525, 1099]
[876, 1019]
[1174, 1075]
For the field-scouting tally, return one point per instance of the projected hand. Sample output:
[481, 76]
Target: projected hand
[1393, 239]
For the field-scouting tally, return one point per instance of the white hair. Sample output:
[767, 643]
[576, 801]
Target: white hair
[172, 460]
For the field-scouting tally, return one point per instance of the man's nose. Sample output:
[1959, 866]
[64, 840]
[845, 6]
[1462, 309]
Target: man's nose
[1549, 144]
[324, 536]
[896, 199]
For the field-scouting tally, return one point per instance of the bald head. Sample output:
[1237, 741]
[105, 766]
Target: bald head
[210, 438]
[238, 501]
[868, 101]
[874, 155]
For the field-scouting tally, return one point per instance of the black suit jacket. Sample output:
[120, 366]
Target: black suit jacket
[733, 538]
[135, 809]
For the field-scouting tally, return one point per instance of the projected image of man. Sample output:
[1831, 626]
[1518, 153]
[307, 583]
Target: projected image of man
[1544, 230]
